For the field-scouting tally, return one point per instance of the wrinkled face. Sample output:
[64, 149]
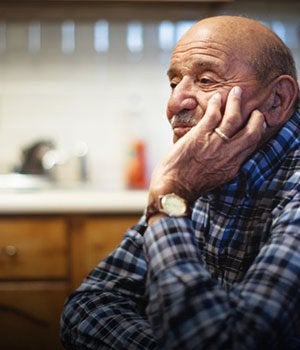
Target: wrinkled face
[204, 62]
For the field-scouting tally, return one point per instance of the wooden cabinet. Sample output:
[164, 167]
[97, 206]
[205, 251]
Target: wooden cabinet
[93, 239]
[42, 259]
[33, 281]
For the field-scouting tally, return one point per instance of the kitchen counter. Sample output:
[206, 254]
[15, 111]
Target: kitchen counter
[81, 200]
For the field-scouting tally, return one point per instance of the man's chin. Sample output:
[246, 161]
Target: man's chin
[178, 133]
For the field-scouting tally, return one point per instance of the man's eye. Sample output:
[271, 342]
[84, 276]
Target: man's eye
[205, 80]
[173, 85]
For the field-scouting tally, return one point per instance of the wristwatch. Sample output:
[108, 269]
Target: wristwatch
[173, 205]
[170, 204]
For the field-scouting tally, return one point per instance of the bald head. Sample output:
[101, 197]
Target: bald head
[260, 47]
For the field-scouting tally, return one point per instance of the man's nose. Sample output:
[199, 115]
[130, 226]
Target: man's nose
[182, 97]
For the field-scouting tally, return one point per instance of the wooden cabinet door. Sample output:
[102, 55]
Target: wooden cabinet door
[29, 315]
[97, 236]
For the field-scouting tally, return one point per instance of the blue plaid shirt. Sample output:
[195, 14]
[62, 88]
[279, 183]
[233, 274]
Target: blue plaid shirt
[226, 278]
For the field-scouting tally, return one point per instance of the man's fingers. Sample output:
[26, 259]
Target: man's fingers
[212, 116]
[233, 119]
[250, 136]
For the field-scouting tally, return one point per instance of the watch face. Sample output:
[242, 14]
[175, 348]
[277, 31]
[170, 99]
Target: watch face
[173, 205]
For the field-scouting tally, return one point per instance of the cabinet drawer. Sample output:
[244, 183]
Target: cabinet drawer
[33, 248]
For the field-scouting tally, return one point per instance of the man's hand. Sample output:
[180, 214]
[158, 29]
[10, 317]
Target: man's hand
[201, 160]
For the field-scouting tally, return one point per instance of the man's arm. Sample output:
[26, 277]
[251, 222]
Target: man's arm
[190, 310]
[107, 311]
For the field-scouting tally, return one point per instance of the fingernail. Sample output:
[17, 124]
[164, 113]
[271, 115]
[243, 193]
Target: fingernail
[264, 125]
[237, 91]
[216, 97]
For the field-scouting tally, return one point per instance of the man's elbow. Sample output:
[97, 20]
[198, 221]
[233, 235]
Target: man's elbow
[70, 320]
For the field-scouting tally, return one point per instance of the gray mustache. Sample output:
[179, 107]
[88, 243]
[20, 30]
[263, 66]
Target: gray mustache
[185, 117]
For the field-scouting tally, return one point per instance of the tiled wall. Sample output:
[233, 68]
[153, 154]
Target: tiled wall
[71, 82]
[103, 99]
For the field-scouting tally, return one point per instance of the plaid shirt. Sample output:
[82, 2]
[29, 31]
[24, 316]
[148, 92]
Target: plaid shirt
[226, 278]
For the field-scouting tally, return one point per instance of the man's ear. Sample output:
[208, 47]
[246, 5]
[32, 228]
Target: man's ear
[281, 101]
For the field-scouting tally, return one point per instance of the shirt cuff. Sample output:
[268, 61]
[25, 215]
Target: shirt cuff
[170, 241]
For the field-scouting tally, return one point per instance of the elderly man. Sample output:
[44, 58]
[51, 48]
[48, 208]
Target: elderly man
[215, 261]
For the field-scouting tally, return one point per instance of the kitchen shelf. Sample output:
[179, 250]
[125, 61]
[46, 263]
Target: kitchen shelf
[115, 10]
[40, 2]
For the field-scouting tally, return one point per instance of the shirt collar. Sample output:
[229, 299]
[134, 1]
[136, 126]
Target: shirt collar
[258, 168]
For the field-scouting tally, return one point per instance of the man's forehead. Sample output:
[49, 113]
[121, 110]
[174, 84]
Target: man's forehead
[214, 47]
[201, 55]
[197, 65]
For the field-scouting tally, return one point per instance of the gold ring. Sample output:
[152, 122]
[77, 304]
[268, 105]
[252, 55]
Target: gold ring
[221, 134]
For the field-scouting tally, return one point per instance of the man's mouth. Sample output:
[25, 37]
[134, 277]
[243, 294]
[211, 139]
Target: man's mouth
[180, 131]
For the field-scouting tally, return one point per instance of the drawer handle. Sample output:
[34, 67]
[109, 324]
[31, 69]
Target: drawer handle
[10, 250]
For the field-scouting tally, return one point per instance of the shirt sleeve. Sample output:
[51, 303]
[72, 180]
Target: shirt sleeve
[108, 310]
[190, 310]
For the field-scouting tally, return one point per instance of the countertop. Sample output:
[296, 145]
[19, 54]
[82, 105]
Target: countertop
[81, 200]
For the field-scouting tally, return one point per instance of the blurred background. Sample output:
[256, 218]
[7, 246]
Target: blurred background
[83, 83]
